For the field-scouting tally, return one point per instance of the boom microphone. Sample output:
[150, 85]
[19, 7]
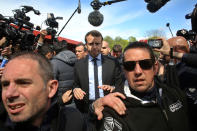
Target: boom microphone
[79, 7]
[168, 25]
[95, 18]
[37, 12]
[155, 5]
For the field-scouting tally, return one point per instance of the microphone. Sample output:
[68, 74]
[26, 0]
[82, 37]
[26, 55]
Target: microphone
[37, 12]
[111, 2]
[79, 7]
[168, 25]
[155, 5]
[95, 18]
[27, 8]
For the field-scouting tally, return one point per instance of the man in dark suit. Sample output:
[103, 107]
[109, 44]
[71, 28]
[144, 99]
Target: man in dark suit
[108, 72]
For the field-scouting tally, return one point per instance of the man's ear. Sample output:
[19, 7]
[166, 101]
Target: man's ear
[52, 86]
[156, 67]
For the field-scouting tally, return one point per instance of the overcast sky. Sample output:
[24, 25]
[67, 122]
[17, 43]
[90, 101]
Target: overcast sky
[124, 19]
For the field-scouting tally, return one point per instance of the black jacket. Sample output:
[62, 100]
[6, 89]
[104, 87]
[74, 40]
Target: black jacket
[56, 119]
[168, 113]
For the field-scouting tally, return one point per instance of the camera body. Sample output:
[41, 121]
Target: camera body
[51, 31]
[193, 17]
[51, 21]
[188, 35]
[155, 43]
[18, 29]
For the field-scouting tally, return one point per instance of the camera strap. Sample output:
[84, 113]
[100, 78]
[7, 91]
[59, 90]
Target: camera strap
[171, 53]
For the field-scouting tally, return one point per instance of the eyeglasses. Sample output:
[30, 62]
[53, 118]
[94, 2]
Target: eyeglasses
[144, 64]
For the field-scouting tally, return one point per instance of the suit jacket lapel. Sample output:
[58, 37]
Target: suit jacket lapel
[104, 67]
[86, 74]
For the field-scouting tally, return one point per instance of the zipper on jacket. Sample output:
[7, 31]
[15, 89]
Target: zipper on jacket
[165, 114]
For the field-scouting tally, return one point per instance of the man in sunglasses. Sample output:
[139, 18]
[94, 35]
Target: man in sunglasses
[144, 103]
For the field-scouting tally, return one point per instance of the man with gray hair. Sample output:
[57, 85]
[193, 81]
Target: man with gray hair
[27, 89]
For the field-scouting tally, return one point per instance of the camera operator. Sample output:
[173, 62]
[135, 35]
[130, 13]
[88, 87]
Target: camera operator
[41, 39]
[188, 58]
[186, 72]
[6, 51]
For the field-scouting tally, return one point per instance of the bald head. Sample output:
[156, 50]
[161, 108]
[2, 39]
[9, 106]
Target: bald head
[105, 50]
[179, 44]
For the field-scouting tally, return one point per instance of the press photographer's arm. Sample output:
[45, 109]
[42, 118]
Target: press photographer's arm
[179, 51]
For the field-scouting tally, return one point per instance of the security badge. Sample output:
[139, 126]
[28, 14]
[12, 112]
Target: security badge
[175, 106]
[111, 124]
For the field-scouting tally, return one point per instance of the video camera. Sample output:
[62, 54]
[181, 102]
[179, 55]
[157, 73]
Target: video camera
[188, 35]
[52, 23]
[193, 17]
[18, 29]
[155, 43]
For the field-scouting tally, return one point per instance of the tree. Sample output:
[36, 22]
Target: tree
[151, 34]
[117, 40]
[121, 41]
[109, 40]
[132, 39]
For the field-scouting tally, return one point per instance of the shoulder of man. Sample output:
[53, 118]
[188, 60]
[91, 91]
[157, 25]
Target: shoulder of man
[112, 121]
[108, 57]
[174, 104]
[82, 60]
[69, 119]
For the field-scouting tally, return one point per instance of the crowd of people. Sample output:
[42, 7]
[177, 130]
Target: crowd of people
[99, 89]
[96, 88]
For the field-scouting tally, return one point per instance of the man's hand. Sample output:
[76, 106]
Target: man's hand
[67, 96]
[79, 93]
[111, 100]
[165, 49]
[2, 41]
[43, 33]
[1, 71]
[107, 87]
[7, 51]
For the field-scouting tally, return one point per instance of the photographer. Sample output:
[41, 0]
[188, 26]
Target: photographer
[186, 72]
[188, 58]
[41, 39]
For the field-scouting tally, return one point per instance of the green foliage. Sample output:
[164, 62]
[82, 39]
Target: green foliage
[110, 41]
[132, 39]
[154, 34]
[119, 40]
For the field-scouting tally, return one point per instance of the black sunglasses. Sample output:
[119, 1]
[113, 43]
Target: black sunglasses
[144, 64]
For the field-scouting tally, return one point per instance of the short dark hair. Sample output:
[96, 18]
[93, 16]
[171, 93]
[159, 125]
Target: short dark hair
[45, 68]
[117, 48]
[43, 50]
[141, 45]
[84, 46]
[94, 33]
